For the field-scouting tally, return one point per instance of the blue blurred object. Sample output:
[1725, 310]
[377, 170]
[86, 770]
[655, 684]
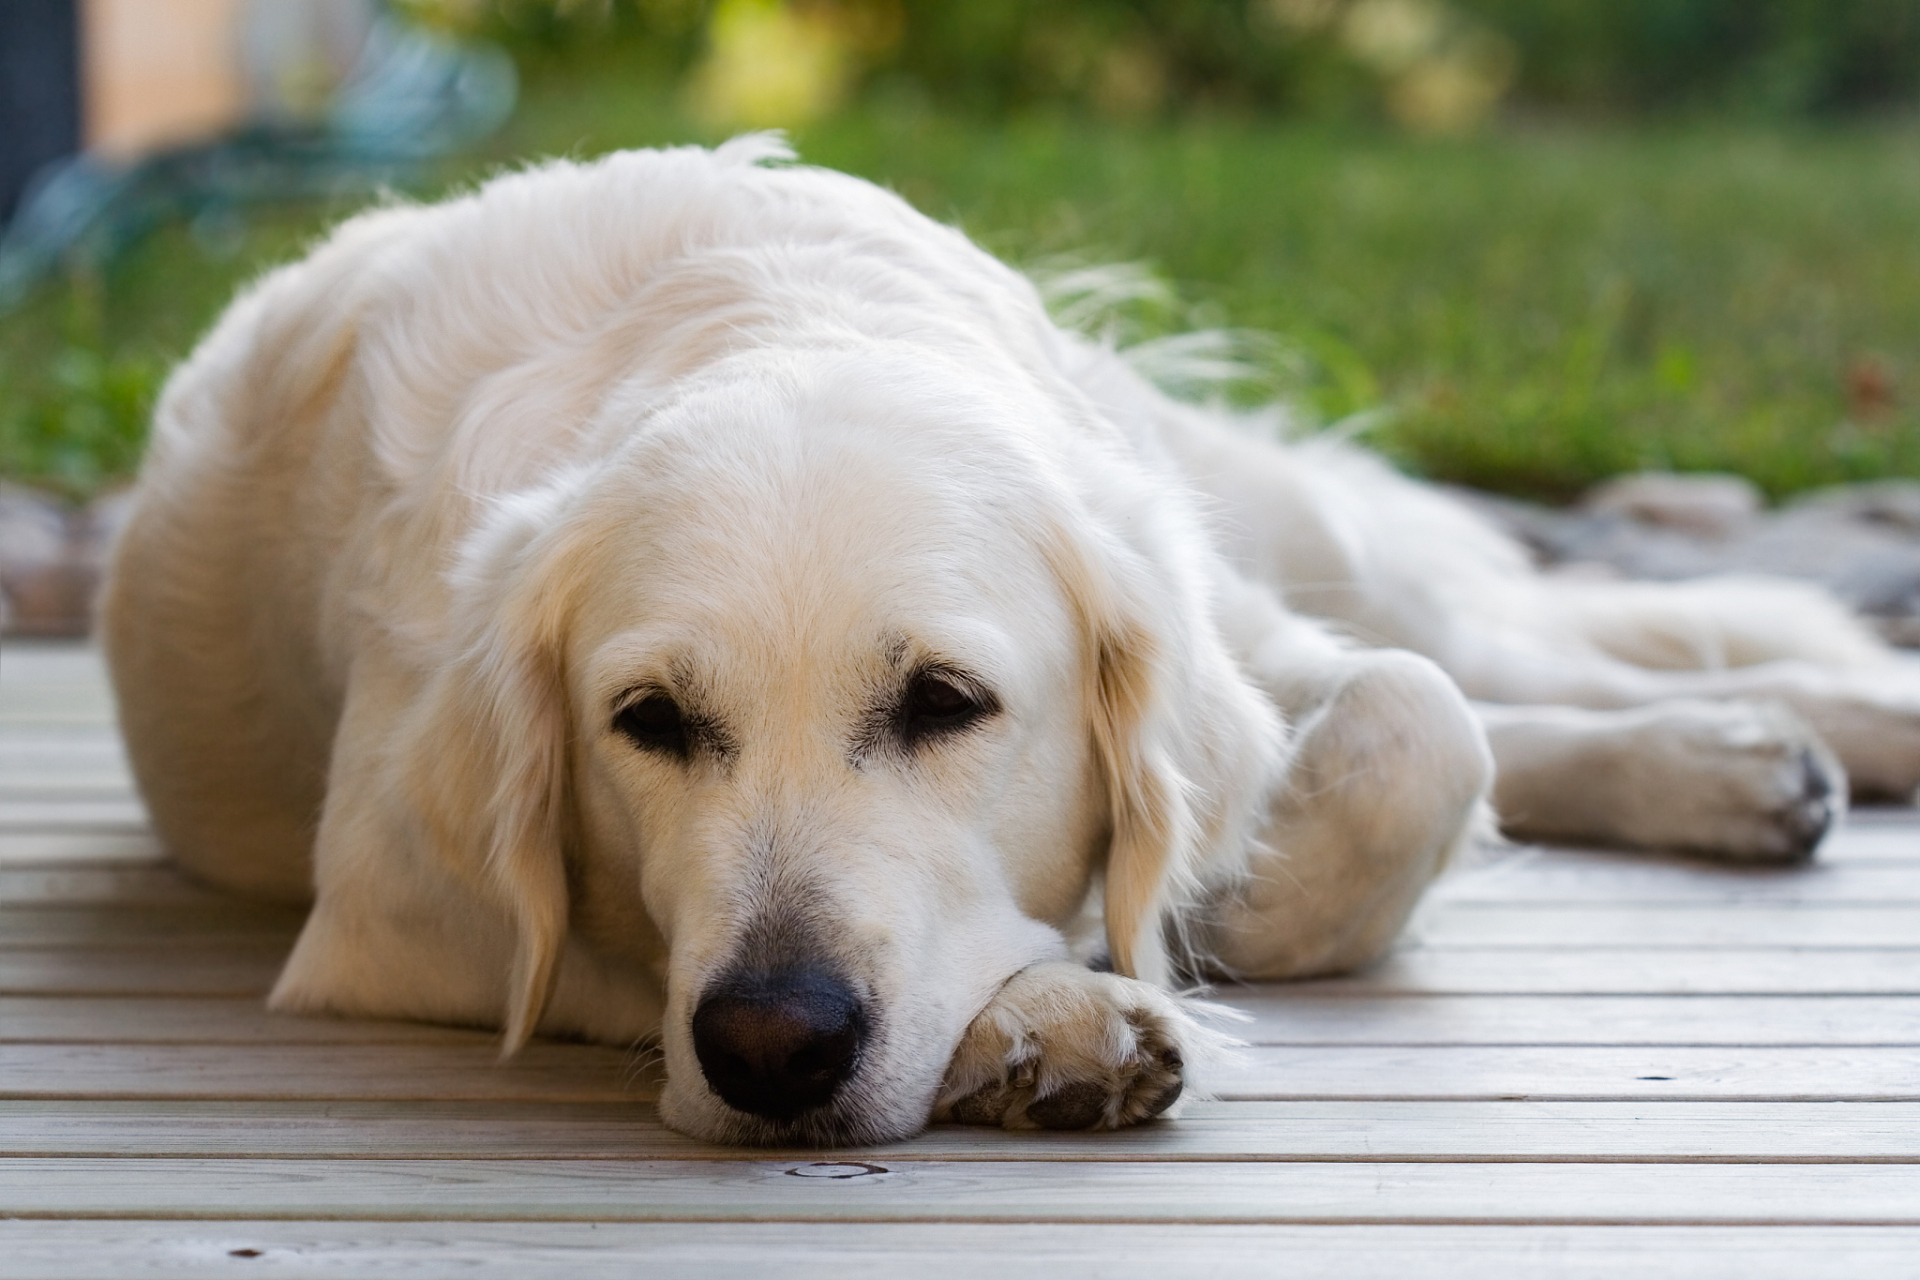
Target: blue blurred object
[412, 95]
[39, 91]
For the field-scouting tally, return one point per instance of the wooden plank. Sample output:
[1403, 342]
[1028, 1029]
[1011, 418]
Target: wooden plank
[1271, 1073]
[236, 1020]
[1895, 815]
[581, 1251]
[47, 695]
[156, 884]
[1875, 841]
[70, 848]
[34, 661]
[261, 1072]
[1676, 970]
[1594, 879]
[120, 813]
[955, 1191]
[163, 969]
[93, 1250]
[34, 776]
[187, 968]
[65, 786]
[114, 926]
[1281, 1017]
[1278, 1018]
[87, 751]
[1682, 1072]
[38, 776]
[25, 745]
[1639, 925]
[56, 709]
[1453, 925]
[1374, 1131]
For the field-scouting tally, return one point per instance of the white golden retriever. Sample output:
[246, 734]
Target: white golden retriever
[697, 598]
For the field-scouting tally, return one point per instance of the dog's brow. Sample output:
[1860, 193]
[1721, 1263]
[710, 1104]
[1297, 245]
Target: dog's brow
[899, 650]
[680, 681]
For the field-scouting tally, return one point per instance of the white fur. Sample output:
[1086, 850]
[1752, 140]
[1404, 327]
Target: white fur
[428, 508]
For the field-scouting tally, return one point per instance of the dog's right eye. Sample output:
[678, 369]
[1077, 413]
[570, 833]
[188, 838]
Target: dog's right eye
[655, 723]
[936, 705]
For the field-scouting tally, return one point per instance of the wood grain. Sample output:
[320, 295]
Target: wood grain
[187, 968]
[388, 1071]
[1279, 1017]
[123, 814]
[959, 1191]
[1575, 879]
[1676, 970]
[115, 926]
[148, 884]
[231, 1020]
[1813, 1074]
[592, 1073]
[1645, 927]
[160, 969]
[1374, 1131]
[89, 1250]
[1575, 1046]
[66, 848]
[1642, 928]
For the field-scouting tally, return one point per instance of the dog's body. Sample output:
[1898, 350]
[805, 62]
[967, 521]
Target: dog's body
[679, 597]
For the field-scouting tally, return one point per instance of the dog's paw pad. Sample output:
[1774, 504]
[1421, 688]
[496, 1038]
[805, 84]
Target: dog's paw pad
[1080, 1105]
[985, 1106]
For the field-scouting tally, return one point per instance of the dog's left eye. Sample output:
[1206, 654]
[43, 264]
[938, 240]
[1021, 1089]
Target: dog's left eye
[935, 704]
[655, 723]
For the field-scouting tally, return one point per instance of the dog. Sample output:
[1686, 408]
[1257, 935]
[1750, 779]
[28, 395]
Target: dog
[694, 599]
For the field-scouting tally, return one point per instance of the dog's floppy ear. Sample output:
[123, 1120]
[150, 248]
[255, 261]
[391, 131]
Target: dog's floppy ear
[484, 759]
[1189, 750]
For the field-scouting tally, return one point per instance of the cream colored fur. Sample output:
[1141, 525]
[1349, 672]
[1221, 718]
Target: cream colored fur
[431, 507]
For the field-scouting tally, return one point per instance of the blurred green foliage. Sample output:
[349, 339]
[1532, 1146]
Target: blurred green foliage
[1530, 306]
[1330, 59]
[1770, 58]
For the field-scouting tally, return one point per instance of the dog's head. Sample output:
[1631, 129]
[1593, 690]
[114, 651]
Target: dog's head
[829, 695]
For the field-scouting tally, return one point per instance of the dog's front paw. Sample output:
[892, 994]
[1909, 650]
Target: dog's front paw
[1063, 1047]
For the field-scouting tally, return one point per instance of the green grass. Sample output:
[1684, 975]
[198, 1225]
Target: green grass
[1533, 310]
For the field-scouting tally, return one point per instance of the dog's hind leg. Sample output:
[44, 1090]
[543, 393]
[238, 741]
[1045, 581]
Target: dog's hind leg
[1389, 777]
[1867, 715]
[1739, 781]
[1741, 638]
[226, 731]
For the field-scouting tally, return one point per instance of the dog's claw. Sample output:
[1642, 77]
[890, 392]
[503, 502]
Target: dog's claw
[1168, 1096]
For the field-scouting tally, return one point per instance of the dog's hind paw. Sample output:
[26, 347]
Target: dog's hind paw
[1063, 1047]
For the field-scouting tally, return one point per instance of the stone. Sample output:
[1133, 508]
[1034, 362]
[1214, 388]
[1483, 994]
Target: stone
[1891, 504]
[1860, 541]
[46, 592]
[1701, 504]
[52, 559]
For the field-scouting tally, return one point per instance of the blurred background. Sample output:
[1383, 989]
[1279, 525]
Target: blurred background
[1517, 244]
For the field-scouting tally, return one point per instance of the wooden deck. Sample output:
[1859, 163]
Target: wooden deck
[1578, 1065]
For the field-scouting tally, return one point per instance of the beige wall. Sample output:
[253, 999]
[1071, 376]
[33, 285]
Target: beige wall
[158, 72]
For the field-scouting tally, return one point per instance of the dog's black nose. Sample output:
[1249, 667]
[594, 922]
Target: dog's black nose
[778, 1043]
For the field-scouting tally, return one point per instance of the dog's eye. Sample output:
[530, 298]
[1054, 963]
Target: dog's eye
[935, 705]
[655, 723]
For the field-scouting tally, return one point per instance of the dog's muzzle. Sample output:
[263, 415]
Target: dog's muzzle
[779, 1042]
